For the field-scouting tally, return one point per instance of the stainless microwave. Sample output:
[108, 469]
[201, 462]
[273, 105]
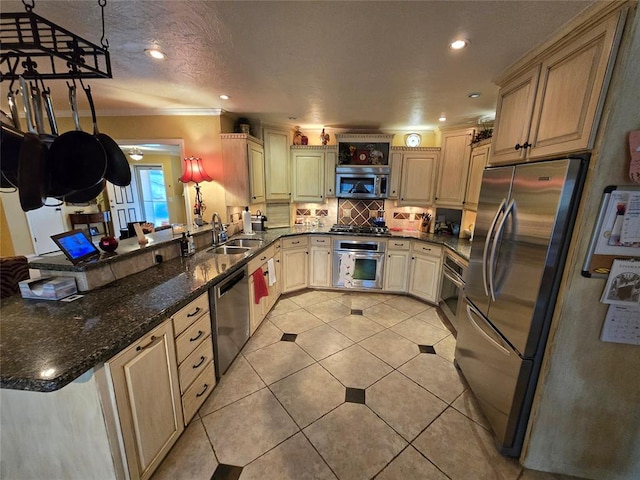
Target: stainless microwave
[362, 182]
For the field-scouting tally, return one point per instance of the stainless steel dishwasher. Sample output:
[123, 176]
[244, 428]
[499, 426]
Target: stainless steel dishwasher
[230, 300]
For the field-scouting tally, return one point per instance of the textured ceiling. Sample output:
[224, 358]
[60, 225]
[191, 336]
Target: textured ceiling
[379, 65]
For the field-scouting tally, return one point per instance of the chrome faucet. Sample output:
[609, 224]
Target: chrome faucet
[218, 229]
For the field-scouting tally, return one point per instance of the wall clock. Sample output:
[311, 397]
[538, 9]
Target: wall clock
[412, 140]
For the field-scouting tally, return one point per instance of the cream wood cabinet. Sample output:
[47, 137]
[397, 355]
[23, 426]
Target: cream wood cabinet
[295, 253]
[395, 161]
[259, 266]
[276, 165]
[194, 353]
[312, 179]
[453, 167]
[320, 261]
[147, 395]
[479, 157]
[396, 274]
[425, 271]
[243, 169]
[552, 104]
[418, 178]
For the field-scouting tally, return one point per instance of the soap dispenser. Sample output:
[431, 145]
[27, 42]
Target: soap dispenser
[246, 221]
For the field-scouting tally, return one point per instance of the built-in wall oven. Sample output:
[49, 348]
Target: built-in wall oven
[358, 263]
[453, 275]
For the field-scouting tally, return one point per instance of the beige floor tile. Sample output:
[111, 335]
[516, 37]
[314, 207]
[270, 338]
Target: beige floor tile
[191, 457]
[408, 305]
[354, 441]
[278, 360]
[306, 298]
[266, 334]
[356, 327]
[355, 367]
[385, 315]
[420, 332]
[333, 294]
[436, 374]
[536, 475]
[309, 394]
[391, 347]
[329, 310]
[431, 316]
[468, 406]
[459, 446]
[360, 300]
[446, 348]
[322, 341]
[405, 406]
[239, 381]
[294, 459]
[284, 305]
[297, 321]
[410, 465]
[246, 429]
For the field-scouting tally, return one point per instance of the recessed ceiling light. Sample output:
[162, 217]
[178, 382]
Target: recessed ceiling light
[458, 44]
[442, 118]
[473, 95]
[155, 53]
[224, 97]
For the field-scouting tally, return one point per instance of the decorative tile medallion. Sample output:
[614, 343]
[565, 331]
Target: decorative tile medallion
[355, 395]
[401, 215]
[289, 337]
[226, 472]
[359, 211]
[355, 311]
[426, 349]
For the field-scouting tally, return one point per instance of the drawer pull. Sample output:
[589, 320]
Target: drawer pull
[153, 340]
[296, 242]
[200, 333]
[206, 386]
[202, 359]
[319, 241]
[398, 244]
[265, 273]
[263, 259]
[426, 249]
[195, 312]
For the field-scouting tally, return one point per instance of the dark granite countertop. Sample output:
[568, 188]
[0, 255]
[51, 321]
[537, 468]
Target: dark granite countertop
[44, 345]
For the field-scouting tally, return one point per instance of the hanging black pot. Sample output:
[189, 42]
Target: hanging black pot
[84, 196]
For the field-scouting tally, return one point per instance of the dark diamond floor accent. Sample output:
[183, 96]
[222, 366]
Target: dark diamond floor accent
[354, 395]
[356, 312]
[289, 337]
[426, 349]
[227, 472]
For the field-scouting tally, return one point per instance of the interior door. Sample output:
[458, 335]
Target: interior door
[43, 223]
[125, 205]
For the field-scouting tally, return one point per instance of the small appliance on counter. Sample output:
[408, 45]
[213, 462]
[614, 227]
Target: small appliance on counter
[257, 222]
[48, 288]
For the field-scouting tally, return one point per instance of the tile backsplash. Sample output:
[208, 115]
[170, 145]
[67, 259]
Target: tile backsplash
[358, 212]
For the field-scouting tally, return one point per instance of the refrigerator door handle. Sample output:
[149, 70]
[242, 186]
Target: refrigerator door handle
[492, 337]
[494, 248]
[485, 251]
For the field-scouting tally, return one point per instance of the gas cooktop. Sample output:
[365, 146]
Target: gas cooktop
[359, 230]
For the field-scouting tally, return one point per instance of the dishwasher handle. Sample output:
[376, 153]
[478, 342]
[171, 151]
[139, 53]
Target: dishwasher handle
[228, 284]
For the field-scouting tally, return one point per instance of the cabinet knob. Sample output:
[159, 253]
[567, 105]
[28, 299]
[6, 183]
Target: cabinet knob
[524, 146]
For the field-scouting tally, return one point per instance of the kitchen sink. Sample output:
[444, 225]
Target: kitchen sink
[229, 250]
[245, 242]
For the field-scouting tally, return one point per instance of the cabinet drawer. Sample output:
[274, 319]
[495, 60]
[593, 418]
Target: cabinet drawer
[198, 392]
[192, 337]
[318, 241]
[187, 315]
[195, 363]
[399, 245]
[260, 259]
[295, 242]
[427, 249]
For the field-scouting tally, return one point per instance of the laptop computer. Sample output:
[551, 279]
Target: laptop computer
[76, 246]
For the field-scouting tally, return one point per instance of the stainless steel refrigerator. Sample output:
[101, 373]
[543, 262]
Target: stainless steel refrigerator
[523, 227]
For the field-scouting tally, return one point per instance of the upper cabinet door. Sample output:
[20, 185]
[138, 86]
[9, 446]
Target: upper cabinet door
[513, 118]
[395, 159]
[308, 176]
[453, 168]
[330, 159]
[573, 85]
[418, 179]
[276, 161]
[256, 172]
[479, 156]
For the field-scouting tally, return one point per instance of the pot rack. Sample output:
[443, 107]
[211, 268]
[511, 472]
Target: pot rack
[35, 48]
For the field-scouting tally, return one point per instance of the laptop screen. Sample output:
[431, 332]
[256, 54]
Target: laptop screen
[76, 246]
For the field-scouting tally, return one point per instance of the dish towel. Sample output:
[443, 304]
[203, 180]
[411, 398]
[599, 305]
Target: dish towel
[259, 285]
[271, 266]
[347, 264]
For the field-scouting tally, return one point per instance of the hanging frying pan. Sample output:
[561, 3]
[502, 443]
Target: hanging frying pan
[84, 196]
[32, 164]
[11, 143]
[76, 158]
[118, 171]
